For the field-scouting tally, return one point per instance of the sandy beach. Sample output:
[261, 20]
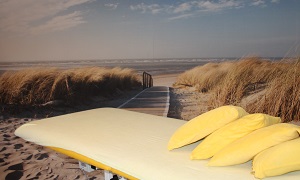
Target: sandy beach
[24, 160]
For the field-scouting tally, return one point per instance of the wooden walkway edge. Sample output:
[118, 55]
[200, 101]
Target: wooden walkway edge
[154, 100]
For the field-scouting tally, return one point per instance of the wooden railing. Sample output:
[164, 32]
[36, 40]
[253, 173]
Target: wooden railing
[147, 80]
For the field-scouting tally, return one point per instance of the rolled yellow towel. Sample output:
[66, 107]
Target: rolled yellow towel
[245, 148]
[204, 124]
[231, 132]
[277, 160]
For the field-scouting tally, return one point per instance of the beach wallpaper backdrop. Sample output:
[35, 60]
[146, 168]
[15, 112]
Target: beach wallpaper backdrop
[64, 56]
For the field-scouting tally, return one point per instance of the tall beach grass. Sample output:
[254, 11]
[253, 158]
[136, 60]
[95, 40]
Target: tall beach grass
[204, 77]
[40, 85]
[282, 97]
[258, 85]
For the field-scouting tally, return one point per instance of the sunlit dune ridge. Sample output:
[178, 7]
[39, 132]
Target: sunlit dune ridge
[271, 87]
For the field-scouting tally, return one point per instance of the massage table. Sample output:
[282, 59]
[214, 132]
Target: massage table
[131, 144]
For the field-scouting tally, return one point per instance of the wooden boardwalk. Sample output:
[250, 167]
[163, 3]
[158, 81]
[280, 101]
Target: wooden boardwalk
[154, 100]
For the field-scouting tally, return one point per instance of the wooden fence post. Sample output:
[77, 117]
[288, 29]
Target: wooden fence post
[147, 80]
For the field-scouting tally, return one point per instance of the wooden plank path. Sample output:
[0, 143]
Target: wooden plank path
[154, 100]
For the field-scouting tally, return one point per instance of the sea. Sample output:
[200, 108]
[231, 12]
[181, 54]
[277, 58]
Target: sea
[151, 66]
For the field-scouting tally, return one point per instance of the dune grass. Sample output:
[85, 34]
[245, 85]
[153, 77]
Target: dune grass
[282, 97]
[41, 85]
[273, 85]
[205, 77]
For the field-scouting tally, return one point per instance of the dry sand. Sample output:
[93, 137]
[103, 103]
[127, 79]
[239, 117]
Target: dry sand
[185, 103]
[24, 160]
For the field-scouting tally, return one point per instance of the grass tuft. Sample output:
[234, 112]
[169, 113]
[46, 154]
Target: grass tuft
[282, 97]
[38, 86]
[205, 77]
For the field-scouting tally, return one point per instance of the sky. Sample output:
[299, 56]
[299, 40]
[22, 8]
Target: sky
[46, 30]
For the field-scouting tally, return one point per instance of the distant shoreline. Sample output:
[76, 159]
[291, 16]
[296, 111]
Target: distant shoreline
[136, 59]
[152, 66]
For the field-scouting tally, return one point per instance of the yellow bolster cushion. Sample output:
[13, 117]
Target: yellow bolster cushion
[245, 148]
[204, 124]
[277, 160]
[231, 132]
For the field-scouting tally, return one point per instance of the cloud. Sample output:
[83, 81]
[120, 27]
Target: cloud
[152, 8]
[258, 3]
[212, 6]
[59, 23]
[112, 6]
[275, 1]
[194, 8]
[181, 16]
[183, 7]
[27, 16]
[187, 9]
